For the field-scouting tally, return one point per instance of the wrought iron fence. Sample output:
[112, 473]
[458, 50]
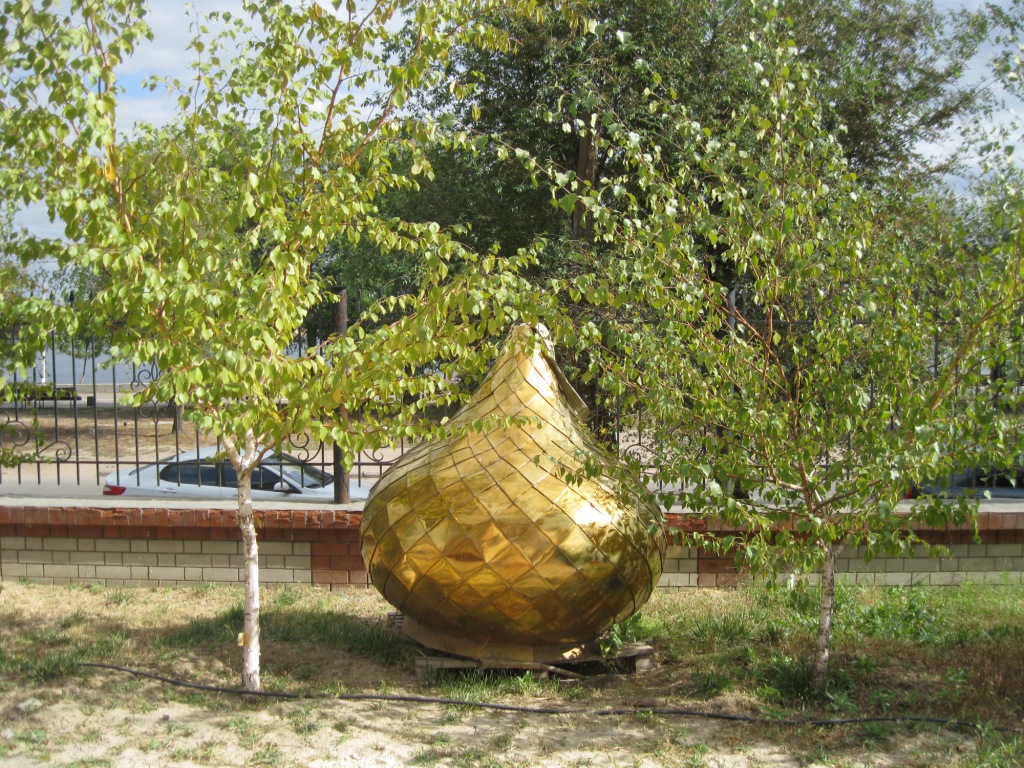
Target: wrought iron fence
[62, 424]
[58, 432]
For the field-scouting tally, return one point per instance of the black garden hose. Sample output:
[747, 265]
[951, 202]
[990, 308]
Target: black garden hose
[662, 711]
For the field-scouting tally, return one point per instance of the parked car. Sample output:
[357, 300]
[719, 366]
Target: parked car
[1007, 483]
[203, 474]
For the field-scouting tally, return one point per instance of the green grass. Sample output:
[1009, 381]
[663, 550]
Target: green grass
[290, 621]
[461, 685]
[996, 751]
[948, 653]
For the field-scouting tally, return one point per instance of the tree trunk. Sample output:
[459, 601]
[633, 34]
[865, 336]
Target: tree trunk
[823, 644]
[250, 640]
[244, 461]
[586, 175]
[179, 418]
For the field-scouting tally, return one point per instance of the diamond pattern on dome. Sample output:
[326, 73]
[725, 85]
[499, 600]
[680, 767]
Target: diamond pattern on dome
[479, 536]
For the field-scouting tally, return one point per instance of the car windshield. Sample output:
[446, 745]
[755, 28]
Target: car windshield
[302, 474]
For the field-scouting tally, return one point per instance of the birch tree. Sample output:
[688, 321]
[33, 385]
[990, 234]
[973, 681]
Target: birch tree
[845, 359]
[290, 120]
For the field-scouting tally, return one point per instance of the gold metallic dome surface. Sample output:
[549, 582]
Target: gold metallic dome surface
[480, 537]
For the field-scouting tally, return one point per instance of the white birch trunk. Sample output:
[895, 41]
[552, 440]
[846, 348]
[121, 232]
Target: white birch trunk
[251, 626]
[823, 644]
[249, 640]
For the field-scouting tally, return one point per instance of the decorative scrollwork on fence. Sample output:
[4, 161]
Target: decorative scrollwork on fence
[153, 409]
[22, 443]
[302, 447]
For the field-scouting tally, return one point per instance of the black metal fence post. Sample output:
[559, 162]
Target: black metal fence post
[341, 491]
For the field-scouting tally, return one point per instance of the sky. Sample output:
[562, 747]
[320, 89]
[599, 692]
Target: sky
[173, 25]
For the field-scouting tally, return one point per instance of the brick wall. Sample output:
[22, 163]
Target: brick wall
[164, 547]
[160, 546]
[995, 556]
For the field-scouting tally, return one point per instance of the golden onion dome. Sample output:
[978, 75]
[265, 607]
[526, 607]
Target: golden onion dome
[485, 545]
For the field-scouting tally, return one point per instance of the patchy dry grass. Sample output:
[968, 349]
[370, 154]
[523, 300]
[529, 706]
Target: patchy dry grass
[944, 654]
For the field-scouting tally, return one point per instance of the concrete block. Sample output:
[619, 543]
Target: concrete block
[276, 548]
[276, 575]
[167, 574]
[139, 545]
[14, 571]
[166, 559]
[271, 561]
[221, 547]
[302, 548]
[87, 571]
[35, 556]
[857, 566]
[61, 571]
[945, 579]
[984, 577]
[978, 564]
[166, 546]
[193, 560]
[192, 547]
[113, 545]
[140, 572]
[949, 564]
[921, 564]
[677, 552]
[136, 558]
[11, 542]
[9, 555]
[62, 557]
[894, 579]
[86, 558]
[33, 542]
[677, 580]
[193, 574]
[302, 576]
[113, 572]
[298, 562]
[55, 544]
[1006, 550]
[114, 558]
[87, 545]
[222, 575]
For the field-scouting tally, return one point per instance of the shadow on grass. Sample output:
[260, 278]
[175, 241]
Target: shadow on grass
[298, 642]
[330, 630]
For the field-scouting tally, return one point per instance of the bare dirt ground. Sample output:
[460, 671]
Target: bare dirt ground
[87, 717]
